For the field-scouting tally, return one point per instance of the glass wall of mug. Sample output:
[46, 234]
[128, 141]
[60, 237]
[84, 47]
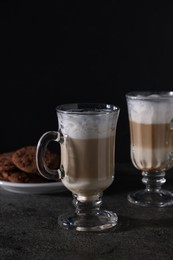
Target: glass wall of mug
[151, 140]
[86, 134]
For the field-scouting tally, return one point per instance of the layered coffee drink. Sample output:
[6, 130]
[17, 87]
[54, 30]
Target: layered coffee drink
[86, 135]
[88, 153]
[151, 138]
[151, 132]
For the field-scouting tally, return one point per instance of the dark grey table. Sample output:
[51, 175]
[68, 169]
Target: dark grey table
[29, 228]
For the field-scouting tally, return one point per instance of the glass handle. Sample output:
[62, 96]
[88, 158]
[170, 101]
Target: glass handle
[44, 170]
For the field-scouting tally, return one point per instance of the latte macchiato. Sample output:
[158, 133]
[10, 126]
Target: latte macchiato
[86, 135]
[151, 131]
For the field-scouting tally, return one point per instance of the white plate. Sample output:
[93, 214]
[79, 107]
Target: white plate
[35, 188]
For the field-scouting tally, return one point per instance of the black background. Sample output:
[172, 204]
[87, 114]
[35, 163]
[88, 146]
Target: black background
[56, 52]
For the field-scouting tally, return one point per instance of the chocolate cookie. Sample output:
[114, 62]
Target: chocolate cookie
[25, 159]
[52, 160]
[6, 163]
[15, 176]
[19, 176]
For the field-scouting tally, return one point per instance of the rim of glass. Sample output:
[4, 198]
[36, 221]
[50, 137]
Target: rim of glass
[147, 95]
[87, 108]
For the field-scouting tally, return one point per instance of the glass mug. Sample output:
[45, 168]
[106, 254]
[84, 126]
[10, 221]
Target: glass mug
[86, 135]
[151, 134]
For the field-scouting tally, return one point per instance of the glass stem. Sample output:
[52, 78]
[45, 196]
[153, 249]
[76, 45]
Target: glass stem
[87, 207]
[153, 181]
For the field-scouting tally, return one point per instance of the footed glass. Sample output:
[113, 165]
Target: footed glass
[86, 135]
[151, 144]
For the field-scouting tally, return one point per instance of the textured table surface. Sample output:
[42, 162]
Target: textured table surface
[29, 228]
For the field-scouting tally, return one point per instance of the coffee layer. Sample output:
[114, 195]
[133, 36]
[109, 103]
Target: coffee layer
[88, 164]
[151, 146]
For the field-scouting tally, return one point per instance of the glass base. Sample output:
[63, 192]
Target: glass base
[100, 221]
[145, 198]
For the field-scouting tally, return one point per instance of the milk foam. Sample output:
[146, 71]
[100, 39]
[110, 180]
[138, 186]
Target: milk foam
[153, 110]
[87, 126]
